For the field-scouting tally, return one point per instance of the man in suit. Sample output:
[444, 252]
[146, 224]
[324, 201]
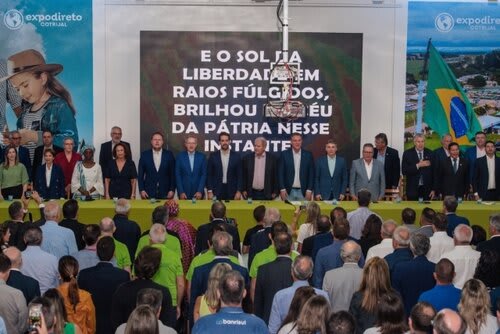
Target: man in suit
[441, 153]
[331, 175]
[47, 138]
[224, 171]
[156, 172]
[487, 174]
[190, 171]
[70, 213]
[260, 173]
[476, 152]
[389, 157]
[494, 242]
[450, 205]
[102, 281]
[127, 231]
[367, 173]
[296, 171]
[273, 276]
[106, 152]
[413, 277]
[217, 216]
[341, 283]
[451, 178]
[28, 285]
[417, 168]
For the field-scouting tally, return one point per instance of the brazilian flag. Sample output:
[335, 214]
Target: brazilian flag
[447, 108]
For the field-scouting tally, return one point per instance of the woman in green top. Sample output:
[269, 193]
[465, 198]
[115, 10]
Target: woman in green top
[13, 175]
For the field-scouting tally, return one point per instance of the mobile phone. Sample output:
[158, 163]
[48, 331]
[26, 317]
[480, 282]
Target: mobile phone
[35, 317]
[302, 207]
[28, 193]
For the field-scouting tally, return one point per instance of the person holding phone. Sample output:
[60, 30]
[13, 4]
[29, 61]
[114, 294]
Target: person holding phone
[13, 175]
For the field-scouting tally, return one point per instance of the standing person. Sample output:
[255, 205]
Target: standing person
[442, 153]
[22, 152]
[260, 173]
[230, 318]
[389, 157]
[475, 152]
[106, 152]
[209, 302]
[452, 176]
[156, 174]
[49, 105]
[87, 176]
[13, 308]
[494, 242]
[357, 218]
[121, 176]
[224, 171]
[190, 171]
[330, 179]
[312, 318]
[57, 240]
[486, 174]
[49, 179]
[47, 139]
[417, 168]
[13, 175]
[367, 173]
[78, 302]
[390, 316]
[474, 307]
[127, 231]
[67, 160]
[28, 285]
[70, 213]
[310, 226]
[296, 171]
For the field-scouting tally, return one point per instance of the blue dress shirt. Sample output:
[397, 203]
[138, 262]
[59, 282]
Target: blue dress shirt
[58, 240]
[442, 296]
[41, 266]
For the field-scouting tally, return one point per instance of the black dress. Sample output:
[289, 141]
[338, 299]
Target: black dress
[119, 182]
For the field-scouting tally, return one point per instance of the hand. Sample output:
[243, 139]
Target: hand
[244, 194]
[318, 198]
[67, 188]
[423, 163]
[309, 195]
[476, 197]
[341, 197]
[107, 196]
[237, 196]
[170, 195]
[297, 212]
[28, 136]
[198, 195]
[183, 196]
[210, 195]
[178, 312]
[432, 195]
[36, 197]
[283, 195]
[273, 196]
[144, 195]
[25, 201]
[354, 197]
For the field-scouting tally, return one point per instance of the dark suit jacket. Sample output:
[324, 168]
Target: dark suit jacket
[492, 244]
[271, 278]
[471, 155]
[56, 187]
[187, 181]
[392, 167]
[102, 281]
[156, 183]
[38, 157]
[202, 235]
[286, 171]
[214, 174]
[326, 184]
[481, 177]
[454, 221]
[24, 158]
[438, 155]
[270, 178]
[399, 255]
[447, 182]
[77, 228]
[128, 232]
[28, 286]
[409, 169]
[411, 278]
[124, 302]
[106, 154]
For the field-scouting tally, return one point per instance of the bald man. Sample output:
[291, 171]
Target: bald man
[122, 255]
[28, 286]
[449, 321]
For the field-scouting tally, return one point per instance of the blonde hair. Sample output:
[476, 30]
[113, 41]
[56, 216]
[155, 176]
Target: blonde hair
[474, 304]
[375, 282]
[213, 284]
[313, 316]
[313, 211]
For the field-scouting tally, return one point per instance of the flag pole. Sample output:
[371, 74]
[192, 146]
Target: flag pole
[423, 77]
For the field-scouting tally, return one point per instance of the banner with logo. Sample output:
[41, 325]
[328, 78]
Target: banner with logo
[62, 33]
[208, 82]
[466, 37]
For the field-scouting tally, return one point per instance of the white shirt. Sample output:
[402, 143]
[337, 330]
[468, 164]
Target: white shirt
[48, 173]
[480, 152]
[381, 250]
[296, 165]
[440, 244]
[465, 260]
[491, 172]
[224, 157]
[157, 159]
[490, 326]
[368, 167]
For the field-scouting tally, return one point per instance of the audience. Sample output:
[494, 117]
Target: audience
[258, 216]
[494, 242]
[301, 296]
[408, 217]
[390, 315]
[488, 272]
[87, 257]
[440, 241]
[310, 226]
[421, 317]
[474, 307]
[401, 244]
[27, 285]
[13, 308]
[57, 240]
[385, 247]
[448, 321]
[127, 231]
[371, 234]
[478, 235]
[341, 322]
[312, 318]
[62, 323]
[70, 213]
[323, 227]
[426, 222]
[142, 320]
[357, 218]
[450, 205]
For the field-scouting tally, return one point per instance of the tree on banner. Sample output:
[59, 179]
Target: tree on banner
[447, 108]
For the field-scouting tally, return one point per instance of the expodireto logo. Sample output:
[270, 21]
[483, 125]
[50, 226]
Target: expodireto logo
[444, 22]
[14, 19]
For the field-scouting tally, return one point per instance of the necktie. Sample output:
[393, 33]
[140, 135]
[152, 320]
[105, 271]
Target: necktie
[455, 165]
[420, 157]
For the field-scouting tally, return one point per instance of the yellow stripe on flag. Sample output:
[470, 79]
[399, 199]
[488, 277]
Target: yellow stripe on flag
[445, 95]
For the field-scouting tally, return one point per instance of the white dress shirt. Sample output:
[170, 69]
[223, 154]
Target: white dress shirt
[296, 165]
[381, 250]
[157, 159]
[440, 244]
[465, 260]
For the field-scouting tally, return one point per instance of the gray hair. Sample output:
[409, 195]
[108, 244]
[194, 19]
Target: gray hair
[495, 222]
[271, 216]
[222, 243]
[122, 206]
[107, 225]
[262, 140]
[350, 252]
[419, 244]
[388, 228]
[418, 135]
[157, 233]
[402, 236]
[51, 210]
[302, 267]
[462, 234]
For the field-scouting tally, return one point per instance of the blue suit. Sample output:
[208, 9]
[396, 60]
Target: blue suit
[454, 221]
[156, 183]
[214, 175]
[56, 186]
[190, 181]
[330, 186]
[471, 155]
[286, 171]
